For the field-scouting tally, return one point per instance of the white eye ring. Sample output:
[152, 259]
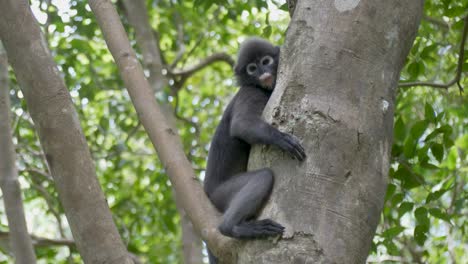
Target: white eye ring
[267, 60]
[251, 68]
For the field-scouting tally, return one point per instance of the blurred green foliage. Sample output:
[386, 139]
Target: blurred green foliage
[425, 215]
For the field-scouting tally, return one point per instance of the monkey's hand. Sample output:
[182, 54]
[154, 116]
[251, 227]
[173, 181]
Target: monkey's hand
[291, 144]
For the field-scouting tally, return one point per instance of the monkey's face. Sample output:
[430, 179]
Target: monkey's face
[263, 72]
[259, 71]
[257, 64]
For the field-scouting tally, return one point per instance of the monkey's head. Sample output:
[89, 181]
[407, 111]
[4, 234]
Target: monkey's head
[257, 63]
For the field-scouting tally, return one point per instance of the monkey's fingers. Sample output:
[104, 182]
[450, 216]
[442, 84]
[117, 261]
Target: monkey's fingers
[258, 229]
[300, 150]
[269, 227]
[295, 148]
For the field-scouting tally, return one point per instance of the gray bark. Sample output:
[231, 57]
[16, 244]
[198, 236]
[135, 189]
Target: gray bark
[61, 137]
[162, 134]
[137, 15]
[338, 73]
[20, 242]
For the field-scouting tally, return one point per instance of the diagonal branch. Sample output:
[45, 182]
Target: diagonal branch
[162, 134]
[440, 23]
[456, 80]
[221, 56]
[180, 39]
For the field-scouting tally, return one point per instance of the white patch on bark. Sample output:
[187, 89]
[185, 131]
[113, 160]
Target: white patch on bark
[383, 147]
[392, 36]
[385, 105]
[305, 103]
[345, 5]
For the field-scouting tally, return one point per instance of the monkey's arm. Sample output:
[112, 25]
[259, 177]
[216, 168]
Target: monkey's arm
[247, 124]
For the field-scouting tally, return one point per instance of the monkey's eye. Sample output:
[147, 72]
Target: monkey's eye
[251, 68]
[267, 60]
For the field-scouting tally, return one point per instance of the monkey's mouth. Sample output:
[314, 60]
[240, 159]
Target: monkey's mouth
[267, 80]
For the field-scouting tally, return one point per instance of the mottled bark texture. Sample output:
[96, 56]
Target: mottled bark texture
[20, 242]
[162, 134]
[338, 72]
[61, 137]
[137, 15]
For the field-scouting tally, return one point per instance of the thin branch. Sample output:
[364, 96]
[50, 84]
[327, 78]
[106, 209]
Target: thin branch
[457, 78]
[164, 137]
[186, 120]
[119, 151]
[440, 23]
[180, 39]
[42, 241]
[201, 35]
[203, 63]
[44, 174]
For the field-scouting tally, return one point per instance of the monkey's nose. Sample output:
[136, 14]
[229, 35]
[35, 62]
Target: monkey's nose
[266, 79]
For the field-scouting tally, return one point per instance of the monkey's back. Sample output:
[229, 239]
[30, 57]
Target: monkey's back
[228, 155]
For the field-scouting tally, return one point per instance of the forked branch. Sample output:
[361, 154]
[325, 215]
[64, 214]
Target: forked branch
[457, 78]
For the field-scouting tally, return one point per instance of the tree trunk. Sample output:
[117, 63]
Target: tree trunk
[339, 69]
[162, 134]
[61, 137]
[20, 241]
[137, 15]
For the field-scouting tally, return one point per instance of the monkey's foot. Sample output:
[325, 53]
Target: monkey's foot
[257, 229]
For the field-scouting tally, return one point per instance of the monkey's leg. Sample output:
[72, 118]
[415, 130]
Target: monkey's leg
[241, 198]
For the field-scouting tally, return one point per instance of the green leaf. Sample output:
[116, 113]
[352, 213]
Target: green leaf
[400, 130]
[437, 213]
[409, 147]
[446, 129]
[438, 151]
[418, 129]
[422, 154]
[440, 116]
[451, 159]
[396, 150]
[401, 173]
[392, 232]
[428, 165]
[435, 195]
[455, 11]
[267, 31]
[420, 234]
[404, 208]
[429, 113]
[391, 248]
[414, 69]
[408, 178]
[428, 50]
[390, 191]
[284, 7]
[397, 198]
[448, 142]
[412, 181]
[421, 216]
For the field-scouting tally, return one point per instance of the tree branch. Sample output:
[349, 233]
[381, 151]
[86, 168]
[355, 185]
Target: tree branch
[57, 242]
[221, 56]
[20, 242]
[180, 38]
[444, 25]
[71, 164]
[162, 134]
[458, 75]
